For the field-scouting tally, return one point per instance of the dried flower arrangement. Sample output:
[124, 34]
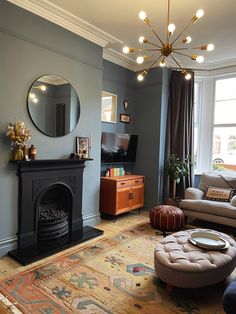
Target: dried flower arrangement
[19, 134]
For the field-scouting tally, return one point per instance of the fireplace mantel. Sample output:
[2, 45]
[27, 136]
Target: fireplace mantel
[36, 177]
[48, 163]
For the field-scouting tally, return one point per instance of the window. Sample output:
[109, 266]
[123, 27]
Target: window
[215, 123]
[232, 144]
[224, 125]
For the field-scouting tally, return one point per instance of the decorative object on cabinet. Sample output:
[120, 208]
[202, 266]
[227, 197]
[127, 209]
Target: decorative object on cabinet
[51, 99]
[82, 147]
[121, 194]
[19, 135]
[125, 118]
[109, 107]
[125, 103]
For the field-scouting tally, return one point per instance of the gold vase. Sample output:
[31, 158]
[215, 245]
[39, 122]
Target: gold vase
[18, 152]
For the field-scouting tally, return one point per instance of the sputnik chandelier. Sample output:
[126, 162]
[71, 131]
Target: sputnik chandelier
[169, 48]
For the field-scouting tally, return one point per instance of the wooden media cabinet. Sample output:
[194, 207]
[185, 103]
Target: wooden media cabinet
[121, 194]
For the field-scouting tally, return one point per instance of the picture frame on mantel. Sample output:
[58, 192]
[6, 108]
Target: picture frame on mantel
[125, 118]
[82, 147]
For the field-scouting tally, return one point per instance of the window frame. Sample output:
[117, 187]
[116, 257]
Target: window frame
[207, 99]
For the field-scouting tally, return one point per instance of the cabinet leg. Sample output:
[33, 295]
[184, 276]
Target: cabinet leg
[114, 219]
[139, 211]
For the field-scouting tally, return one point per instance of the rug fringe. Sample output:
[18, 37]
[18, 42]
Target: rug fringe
[9, 305]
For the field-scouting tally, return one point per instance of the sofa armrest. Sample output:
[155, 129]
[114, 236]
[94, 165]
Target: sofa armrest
[194, 194]
[233, 201]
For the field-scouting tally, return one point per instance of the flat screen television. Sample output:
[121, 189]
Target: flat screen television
[118, 147]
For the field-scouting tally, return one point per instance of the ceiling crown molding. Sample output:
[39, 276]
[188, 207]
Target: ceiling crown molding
[119, 58]
[53, 13]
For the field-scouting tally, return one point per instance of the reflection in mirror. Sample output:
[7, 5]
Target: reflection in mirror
[53, 105]
[109, 104]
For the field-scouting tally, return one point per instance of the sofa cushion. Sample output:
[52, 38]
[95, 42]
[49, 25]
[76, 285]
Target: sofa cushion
[216, 180]
[210, 207]
[218, 194]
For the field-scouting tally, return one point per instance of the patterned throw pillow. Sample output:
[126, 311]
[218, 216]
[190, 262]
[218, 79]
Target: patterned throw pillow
[219, 194]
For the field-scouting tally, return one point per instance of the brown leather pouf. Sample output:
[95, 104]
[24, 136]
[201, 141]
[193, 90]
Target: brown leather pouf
[166, 217]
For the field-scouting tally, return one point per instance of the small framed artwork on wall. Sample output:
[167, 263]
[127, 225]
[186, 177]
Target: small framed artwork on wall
[82, 147]
[125, 118]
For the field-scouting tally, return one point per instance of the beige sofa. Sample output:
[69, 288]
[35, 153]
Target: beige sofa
[194, 204]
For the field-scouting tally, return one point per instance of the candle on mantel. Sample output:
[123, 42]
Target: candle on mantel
[91, 139]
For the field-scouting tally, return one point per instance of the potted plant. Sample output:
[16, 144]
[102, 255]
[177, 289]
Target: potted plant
[177, 168]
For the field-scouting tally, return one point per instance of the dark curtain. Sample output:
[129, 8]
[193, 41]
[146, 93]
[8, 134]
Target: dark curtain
[180, 127]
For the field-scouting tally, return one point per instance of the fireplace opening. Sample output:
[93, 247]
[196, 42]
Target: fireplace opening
[54, 216]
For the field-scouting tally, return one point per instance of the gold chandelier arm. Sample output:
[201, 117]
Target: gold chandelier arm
[182, 54]
[152, 44]
[155, 62]
[168, 22]
[174, 49]
[154, 32]
[176, 62]
[144, 49]
[182, 32]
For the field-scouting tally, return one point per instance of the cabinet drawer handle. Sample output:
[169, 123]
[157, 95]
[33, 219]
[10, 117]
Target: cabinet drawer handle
[136, 181]
[131, 196]
[122, 183]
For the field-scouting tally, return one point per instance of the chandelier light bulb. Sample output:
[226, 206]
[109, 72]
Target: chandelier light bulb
[199, 59]
[187, 40]
[35, 100]
[187, 76]
[140, 60]
[142, 15]
[141, 39]
[162, 63]
[140, 77]
[171, 28]
[199, 13]
[126, 50]
[210, 47]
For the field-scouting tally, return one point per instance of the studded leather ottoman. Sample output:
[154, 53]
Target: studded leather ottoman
[166, 217]
[179, 263]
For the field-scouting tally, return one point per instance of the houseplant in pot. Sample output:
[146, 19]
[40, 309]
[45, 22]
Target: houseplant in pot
[177, 168]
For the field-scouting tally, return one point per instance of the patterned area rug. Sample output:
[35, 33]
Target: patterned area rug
[112, 275]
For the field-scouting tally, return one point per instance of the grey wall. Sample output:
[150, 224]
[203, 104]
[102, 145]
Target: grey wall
[151, 109]
[28, 52]
[148, 102]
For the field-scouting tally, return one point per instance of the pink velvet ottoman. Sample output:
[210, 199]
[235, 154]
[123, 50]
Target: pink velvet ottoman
[166, 217]
[179, 263]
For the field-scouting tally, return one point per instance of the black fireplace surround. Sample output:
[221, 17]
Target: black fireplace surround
[50, 208]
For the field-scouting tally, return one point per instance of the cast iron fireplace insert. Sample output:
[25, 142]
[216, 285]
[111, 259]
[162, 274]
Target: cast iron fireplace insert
[49, 208]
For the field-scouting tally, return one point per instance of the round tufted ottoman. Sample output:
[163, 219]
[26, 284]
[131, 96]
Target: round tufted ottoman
[182, 264]
[166, 217]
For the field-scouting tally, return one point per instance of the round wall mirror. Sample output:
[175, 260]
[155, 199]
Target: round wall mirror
[53, 105]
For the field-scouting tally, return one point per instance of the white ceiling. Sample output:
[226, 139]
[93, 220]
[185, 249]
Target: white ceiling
[113, 24]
